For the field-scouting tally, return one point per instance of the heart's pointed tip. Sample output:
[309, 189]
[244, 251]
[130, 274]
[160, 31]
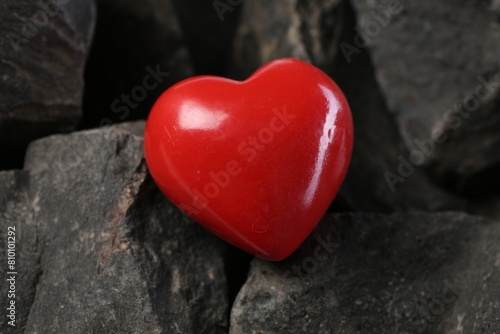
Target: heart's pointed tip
[274, 258]
[275, 255]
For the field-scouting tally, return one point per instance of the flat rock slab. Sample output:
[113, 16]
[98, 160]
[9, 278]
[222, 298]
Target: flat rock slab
[371, 273]
[113, 253]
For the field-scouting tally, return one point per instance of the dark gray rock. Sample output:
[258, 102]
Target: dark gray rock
[136, 128]
[138, 52]
[307, 30]
[438, 67]
[380, 177]
[16, 216]
[487, 207]
[115, 255]
[43, 50]
[368, 273]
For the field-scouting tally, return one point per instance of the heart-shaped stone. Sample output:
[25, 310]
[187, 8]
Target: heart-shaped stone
[256, 162]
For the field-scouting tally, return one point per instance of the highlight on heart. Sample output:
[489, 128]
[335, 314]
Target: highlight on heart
[208, 138]
[246, 152]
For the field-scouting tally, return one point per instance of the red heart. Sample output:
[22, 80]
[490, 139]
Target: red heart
[256, 162]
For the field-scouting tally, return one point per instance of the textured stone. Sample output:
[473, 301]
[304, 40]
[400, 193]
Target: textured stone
[433, 62]
[374, 181]
[42, 56]
[114, 254]
[132, 40]
[307, 30]
[368, 273]
[16, 213]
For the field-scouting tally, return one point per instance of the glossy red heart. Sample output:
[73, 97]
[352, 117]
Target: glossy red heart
[256, 162]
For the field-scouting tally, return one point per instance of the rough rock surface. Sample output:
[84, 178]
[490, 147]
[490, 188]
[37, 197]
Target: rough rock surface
[367, 273]
[114, 255]
[438, 67]
[381, 177]
[43, 50]
[133, 40]
[16, 214]
[307, 30]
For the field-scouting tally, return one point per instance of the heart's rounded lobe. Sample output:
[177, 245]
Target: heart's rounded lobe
[256, 162]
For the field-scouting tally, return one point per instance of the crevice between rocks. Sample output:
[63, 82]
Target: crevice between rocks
[325, 22]
[38, 272]
[110, 239]
[236, 267]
